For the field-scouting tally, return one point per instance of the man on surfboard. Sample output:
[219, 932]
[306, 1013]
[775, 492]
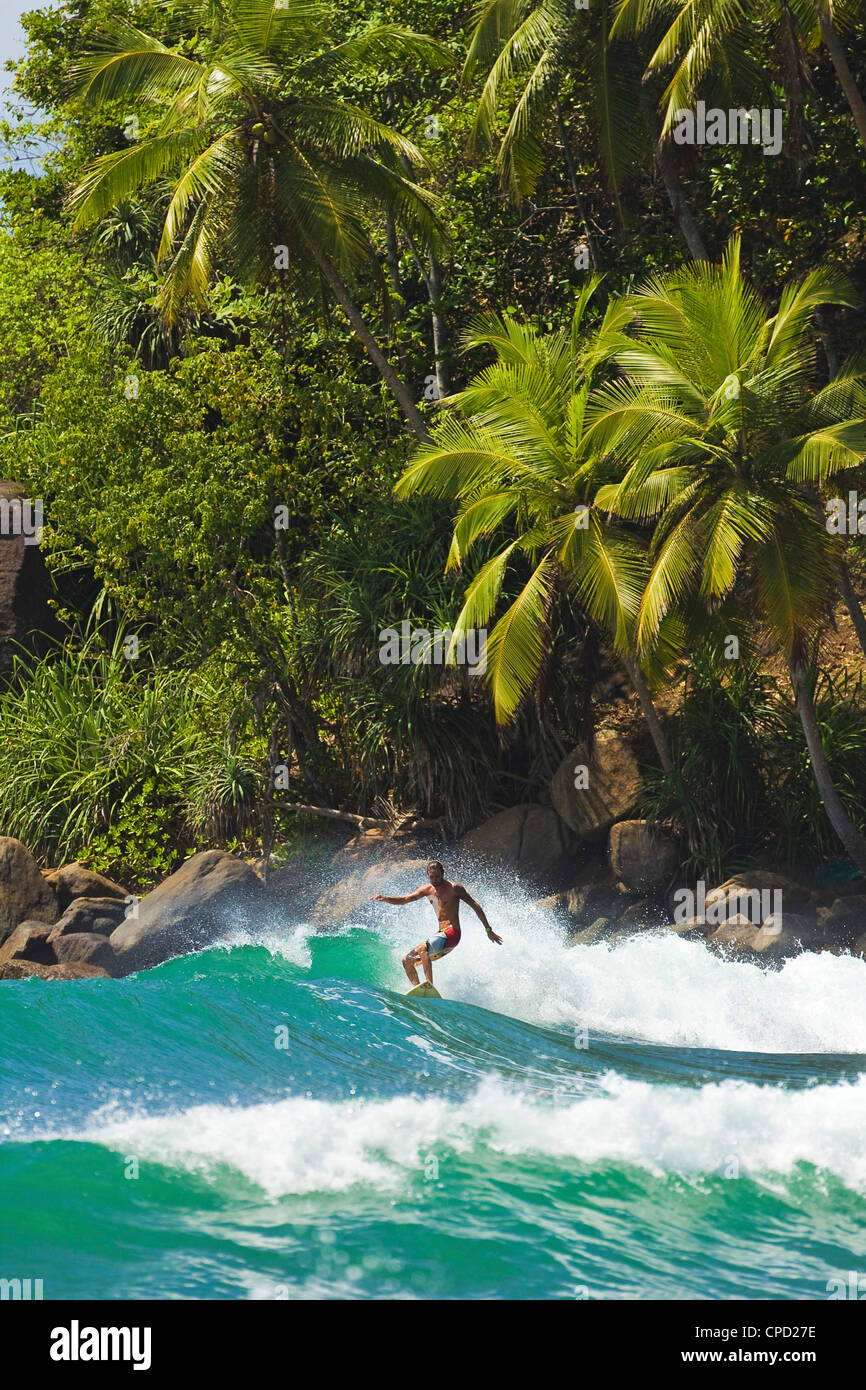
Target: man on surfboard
[445, 898]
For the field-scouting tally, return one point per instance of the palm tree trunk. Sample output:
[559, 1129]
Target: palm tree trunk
[440, 328]
[852, 603]
[572, 174]
[399, 390]
[650, 714]
[853, 842]
[686, 224]
[839, 59]
[432, 278]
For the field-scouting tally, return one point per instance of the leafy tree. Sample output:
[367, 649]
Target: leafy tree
[258, 153]
[516, 454]
[724, 438]
[527, 51]
[714, 39]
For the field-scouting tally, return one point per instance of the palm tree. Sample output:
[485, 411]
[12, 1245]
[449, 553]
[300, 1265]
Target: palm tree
[513, 451]
[258, 153]
[526, 49]
[714, 37]
[724, 442]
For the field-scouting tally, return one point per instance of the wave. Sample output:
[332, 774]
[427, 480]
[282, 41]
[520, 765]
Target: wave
[651, 987]
[302, 1145]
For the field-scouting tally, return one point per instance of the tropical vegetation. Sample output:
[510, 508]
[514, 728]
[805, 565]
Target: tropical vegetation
[321, 320]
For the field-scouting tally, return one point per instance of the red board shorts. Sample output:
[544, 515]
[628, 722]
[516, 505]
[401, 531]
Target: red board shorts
[440, 945]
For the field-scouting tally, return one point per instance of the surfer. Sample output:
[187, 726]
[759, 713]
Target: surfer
[445, 898]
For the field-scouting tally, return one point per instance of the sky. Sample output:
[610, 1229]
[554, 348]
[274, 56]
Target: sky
[11, 37]
[12, 46]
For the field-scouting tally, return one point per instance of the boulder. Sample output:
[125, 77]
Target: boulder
[844, 922]
[86, 948]
[735, 937]
[528, 840]
[586, 903]
[777, 938]
[754, 894]
[24, 894]
[25, 969]
[29, 941]
[788, 935]
[369, 863]
[99, 915]
[599, 930]
[613, 785]
[691, 928]
[189, 910]
[642, 859]
[74, 881]
[26, 616]
[646, 913]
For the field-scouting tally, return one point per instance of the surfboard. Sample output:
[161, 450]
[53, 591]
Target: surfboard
[424, 991]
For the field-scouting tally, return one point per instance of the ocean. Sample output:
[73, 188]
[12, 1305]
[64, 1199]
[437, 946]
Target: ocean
[271, 1118]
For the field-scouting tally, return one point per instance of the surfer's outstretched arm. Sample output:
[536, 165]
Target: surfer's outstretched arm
[398, 902]
[478, 910]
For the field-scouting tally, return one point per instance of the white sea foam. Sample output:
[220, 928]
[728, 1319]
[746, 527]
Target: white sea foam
[654, 986]
[293, 946]
[300, 1145]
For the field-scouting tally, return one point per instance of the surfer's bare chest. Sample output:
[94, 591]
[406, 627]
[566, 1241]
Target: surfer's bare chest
[446, 904]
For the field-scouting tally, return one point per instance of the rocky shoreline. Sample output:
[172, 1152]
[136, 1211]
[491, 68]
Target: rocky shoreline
[72, 923]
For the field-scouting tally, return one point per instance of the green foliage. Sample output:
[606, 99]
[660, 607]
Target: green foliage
[261, 644]
[119, 763]
[87, 745]
[743, 790]
[46, 297]
[168, 500]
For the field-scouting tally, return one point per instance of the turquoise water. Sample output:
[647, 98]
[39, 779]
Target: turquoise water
[637, 1121]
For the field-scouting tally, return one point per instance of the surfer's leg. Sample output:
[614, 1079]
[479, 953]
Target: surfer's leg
[426, 964]
[409, 965]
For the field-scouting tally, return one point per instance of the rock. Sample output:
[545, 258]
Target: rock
[24, 894]
[74, 881]
[844, 922]
[29, 941]
[25, 588]
[86, 948]
[372, 846]
[187, 911]
[641, 858]
[754, 894]
[352, 891]
[691, 928]
[735, 937]
[529, 840]
[584, 904]
[24, 969]
[99, 915]
[599, 930]
[646, 913]
[778, 938]
[788, 935]
[612, 790]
